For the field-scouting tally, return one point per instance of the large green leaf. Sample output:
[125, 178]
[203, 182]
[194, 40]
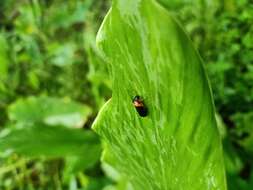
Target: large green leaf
[177, 146]
[48, 141]
[52, 111]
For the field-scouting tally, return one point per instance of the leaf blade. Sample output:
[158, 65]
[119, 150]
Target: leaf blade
[41, 140]
[177, 146]
[50, 110]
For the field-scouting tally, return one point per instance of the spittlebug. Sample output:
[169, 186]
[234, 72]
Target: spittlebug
[140, 106]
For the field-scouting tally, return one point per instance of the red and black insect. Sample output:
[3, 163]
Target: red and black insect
[140, 106]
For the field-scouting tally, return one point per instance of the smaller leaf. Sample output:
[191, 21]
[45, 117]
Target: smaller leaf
[62, 54]
[51, 111]
[77, 163]
[47, 141]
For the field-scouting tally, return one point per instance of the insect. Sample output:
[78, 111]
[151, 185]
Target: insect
[140, 106]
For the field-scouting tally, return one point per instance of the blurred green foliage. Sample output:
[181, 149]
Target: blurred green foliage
[48, 59]
[50, 92]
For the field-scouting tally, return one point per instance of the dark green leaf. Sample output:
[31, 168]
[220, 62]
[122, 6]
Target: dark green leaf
[3, 58]
[57, 141]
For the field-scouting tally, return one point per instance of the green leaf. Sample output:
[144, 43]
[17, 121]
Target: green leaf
[3, 58]
[64, 15]
[77, 163]
[42, 140]
[52, 111]
[177, 146]
[61, 54]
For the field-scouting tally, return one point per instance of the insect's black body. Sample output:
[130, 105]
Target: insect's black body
[140, 106]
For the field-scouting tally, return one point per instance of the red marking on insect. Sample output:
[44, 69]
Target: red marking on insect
[140, 106]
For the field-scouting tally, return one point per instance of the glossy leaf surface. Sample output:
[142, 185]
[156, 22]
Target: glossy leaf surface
[177, 145]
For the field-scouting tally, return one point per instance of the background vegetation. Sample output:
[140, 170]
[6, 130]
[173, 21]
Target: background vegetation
[53, 81]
